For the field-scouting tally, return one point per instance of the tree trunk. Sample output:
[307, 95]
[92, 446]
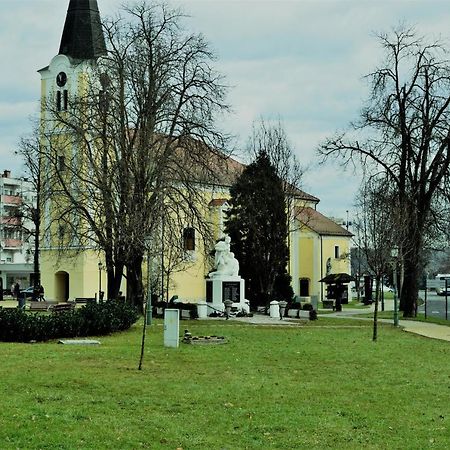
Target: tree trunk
[412, 265]
[135, 291]
[409, 292]
[375, 313]
[114, 274]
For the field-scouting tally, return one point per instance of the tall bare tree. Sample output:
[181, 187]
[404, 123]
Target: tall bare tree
[404, 132]
[145, 136]
[29, 212]
[378, 229]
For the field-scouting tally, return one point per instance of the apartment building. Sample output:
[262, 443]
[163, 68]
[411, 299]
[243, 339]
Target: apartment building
[16, 258]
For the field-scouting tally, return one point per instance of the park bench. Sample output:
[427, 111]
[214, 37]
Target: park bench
[293, 313]
[328, 304]
[61, 307]
[39, 306]
[81, 300]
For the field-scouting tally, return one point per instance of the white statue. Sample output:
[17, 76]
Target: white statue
[232, 266]
[224, 261]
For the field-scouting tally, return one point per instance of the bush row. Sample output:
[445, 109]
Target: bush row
[92, 319]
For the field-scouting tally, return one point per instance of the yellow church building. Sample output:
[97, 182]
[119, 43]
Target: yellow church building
[318, 246]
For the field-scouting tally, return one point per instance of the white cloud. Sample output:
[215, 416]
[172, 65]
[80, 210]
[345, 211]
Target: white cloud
[301, 60]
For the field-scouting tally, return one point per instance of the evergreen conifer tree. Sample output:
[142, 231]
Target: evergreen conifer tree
[257, 226]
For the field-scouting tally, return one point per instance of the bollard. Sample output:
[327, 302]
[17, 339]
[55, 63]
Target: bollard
[274, 310]
[202, 310]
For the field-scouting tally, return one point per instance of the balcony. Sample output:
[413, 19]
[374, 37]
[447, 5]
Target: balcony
[11, 200]
[11, 243]
[11, 221]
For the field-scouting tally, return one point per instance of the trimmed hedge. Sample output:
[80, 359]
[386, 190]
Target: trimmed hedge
[92, 319]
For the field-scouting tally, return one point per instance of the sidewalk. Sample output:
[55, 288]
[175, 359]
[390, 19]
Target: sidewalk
[427, 329]
[430, 330]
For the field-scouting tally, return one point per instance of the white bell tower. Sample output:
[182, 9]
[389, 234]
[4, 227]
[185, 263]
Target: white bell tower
[82, 43]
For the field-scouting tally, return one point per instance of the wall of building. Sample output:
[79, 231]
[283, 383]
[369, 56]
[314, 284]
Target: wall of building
[79, 272]
[312, 253]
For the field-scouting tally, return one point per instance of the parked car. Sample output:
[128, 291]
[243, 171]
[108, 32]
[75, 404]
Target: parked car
[28, 292]
[383, 287]
[441, 290]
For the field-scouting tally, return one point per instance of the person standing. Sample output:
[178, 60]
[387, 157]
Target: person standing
[16, 290]
[41, 293]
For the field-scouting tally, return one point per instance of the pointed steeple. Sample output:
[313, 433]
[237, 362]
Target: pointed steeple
[83, 37]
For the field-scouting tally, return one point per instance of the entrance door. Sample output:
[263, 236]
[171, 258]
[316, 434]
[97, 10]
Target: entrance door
[62, 286]
[304, 287]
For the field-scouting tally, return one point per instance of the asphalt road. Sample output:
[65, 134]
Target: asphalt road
[435, 305]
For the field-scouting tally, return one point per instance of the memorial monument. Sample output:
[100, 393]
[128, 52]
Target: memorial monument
[224, 283]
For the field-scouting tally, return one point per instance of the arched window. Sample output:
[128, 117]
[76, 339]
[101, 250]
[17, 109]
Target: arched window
[304, 287]
[189, 239]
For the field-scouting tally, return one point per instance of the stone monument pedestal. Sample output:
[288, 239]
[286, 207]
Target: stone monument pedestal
[224, 283]
[221, 288]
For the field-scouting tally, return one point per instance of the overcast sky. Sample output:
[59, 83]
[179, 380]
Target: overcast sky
[302, 61]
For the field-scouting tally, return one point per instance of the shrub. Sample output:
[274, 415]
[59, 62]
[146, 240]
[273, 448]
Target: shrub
[282, 288]
[17, 325]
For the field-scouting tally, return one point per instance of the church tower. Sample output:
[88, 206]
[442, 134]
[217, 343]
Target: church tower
[63, 80]
[82, 43]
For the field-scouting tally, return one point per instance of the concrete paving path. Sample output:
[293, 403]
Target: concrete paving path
[427, 329]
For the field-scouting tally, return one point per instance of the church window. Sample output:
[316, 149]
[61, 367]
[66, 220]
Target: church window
[189, 239]
[62, 100]
[103, 102]
[336, 251]
[66, 99]
[304, 287]
[58, 100]
[61, 231]
[61, 163]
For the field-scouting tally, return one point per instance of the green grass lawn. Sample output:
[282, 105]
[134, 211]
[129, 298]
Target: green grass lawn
[322, 385]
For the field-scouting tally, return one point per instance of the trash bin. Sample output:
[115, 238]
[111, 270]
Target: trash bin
[228, 304]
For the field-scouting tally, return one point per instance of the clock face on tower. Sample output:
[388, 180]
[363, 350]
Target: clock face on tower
[61, 79]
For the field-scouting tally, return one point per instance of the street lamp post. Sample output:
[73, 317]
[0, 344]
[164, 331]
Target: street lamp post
[394, 254]
[100, 267]
[148, 315]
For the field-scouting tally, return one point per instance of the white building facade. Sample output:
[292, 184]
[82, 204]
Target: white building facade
[16, 246]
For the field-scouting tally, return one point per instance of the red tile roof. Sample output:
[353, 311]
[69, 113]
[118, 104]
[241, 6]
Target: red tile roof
[320, 224]
[218, 202]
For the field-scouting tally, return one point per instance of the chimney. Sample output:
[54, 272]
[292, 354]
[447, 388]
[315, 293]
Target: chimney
[6, 174]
